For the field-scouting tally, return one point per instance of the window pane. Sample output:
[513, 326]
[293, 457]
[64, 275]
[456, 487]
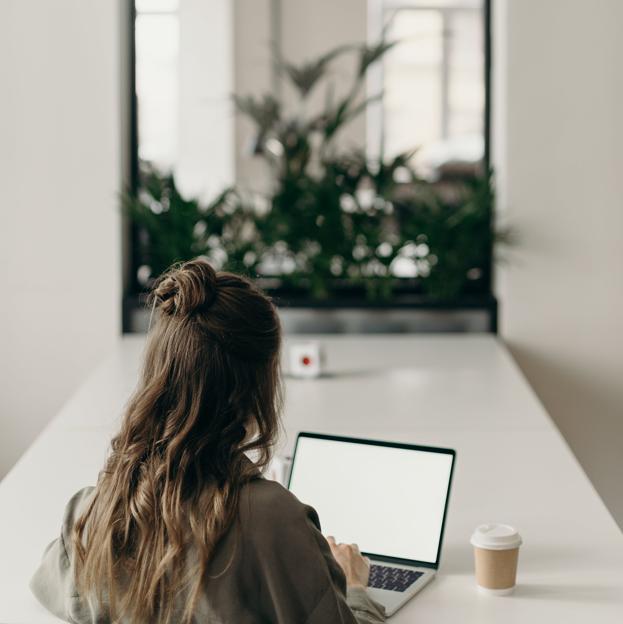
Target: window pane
[448, 4]
[412, 93]
[466, 85]
[157, 49]
[156, 6]
[434, 83]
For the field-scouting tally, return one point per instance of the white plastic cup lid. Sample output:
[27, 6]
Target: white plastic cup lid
[496, 537]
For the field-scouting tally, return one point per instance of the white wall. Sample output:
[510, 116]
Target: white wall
[559, 150]
[60, 231]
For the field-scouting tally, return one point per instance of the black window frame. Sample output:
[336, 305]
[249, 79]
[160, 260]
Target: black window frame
[132, 287]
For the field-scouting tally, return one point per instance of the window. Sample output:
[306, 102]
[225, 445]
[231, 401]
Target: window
[184, 83]
[432, 80]
[157, 54]
[192, 55]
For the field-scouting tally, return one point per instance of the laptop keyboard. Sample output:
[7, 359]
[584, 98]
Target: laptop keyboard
[394, 579]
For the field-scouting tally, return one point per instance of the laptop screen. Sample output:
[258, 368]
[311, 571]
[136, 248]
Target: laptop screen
[388, 499]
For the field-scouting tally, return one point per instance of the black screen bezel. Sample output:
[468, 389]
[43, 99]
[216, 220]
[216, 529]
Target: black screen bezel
[400, 445]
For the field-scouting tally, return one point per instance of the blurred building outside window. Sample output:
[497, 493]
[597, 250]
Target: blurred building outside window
[184, 81]
[432, 82]
[157, 54]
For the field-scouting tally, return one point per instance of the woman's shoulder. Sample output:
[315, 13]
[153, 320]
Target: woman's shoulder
[269, 497]
[77, 504]
[267, 504]
[73, 510]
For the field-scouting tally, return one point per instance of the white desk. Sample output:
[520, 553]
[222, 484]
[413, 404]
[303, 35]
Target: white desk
[461, 391]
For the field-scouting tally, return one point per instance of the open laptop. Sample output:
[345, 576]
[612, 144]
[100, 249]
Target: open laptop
[391, 499]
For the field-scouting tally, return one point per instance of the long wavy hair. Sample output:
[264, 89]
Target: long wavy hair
[209, 393]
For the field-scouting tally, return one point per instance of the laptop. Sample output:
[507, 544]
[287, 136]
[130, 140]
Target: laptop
[389, 498]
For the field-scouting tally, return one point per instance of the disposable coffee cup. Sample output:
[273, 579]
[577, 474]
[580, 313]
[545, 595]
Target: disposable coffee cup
[496, 550]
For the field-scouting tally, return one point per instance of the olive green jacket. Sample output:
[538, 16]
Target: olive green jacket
[281, 570]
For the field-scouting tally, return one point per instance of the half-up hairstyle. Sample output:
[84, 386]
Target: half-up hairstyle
[209, 393]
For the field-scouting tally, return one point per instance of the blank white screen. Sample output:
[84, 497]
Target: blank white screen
[389, 501]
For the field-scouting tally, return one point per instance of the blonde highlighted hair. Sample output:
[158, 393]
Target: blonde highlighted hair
[209, 392]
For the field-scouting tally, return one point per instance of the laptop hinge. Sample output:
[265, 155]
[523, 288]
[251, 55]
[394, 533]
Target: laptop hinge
[399, 561]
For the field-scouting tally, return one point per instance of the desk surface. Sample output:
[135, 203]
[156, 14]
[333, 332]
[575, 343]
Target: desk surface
[461, 391]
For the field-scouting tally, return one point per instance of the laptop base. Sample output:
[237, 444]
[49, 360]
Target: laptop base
[393, 600]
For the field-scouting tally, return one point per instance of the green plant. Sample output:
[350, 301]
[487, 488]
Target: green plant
[333, 217]
[173, 228]
[455, 227]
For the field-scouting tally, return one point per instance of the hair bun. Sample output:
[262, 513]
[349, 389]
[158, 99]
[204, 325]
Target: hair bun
[186, 288]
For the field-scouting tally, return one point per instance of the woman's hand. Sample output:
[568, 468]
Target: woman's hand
[356, 568]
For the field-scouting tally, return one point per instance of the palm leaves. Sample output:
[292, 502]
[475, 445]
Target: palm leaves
[304, 77]
[268, 116]
[368, 55]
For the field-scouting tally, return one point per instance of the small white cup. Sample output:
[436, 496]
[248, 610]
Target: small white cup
[306, 359]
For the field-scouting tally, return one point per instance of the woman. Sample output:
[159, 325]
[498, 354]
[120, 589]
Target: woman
[181, 527]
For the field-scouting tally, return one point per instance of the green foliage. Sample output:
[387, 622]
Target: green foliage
[333, 218]
[304, 77]
[166, 218]
[174, 229]
[455, 225]
[369, 55]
